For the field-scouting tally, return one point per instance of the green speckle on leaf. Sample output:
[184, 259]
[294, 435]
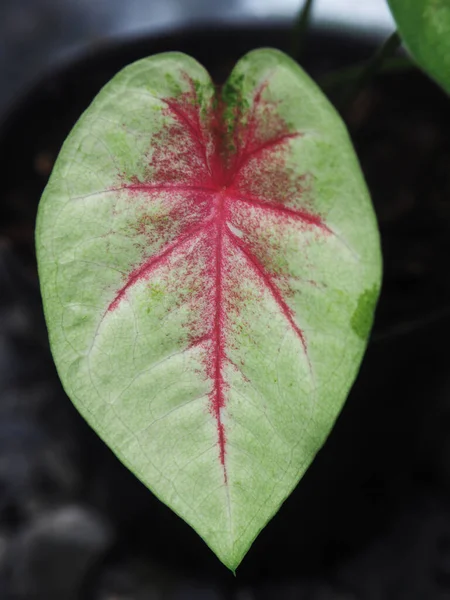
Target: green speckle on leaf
[232, 91]
[173, 83]
[362, 318]
[234, 101]
[156, 293]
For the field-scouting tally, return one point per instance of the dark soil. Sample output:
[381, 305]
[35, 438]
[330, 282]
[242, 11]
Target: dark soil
[371, 518]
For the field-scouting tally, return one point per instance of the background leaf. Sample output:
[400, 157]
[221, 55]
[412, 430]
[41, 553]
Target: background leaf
[425, 28]
[209, 265]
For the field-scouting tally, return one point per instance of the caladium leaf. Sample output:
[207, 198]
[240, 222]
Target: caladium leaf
[209, 264]
[424, 25]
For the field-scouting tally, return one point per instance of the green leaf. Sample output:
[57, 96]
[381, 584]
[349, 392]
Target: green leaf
[209, 265]
[425, 28]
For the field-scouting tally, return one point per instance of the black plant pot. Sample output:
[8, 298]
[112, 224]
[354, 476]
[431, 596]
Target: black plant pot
[370, 518]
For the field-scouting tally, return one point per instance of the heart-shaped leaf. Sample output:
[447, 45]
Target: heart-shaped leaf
[424, 25]
[209, 264]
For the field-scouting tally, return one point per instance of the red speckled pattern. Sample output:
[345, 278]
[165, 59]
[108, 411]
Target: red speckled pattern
[227, 196]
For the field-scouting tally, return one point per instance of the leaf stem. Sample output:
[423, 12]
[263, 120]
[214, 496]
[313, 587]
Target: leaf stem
[299, 32]
[346, 75]
[369, 70]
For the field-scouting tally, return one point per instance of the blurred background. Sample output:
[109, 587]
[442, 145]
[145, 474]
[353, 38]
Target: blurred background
[35, 34]
[371, 518]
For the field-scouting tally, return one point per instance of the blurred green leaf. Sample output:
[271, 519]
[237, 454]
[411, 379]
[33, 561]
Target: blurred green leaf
[424, 26]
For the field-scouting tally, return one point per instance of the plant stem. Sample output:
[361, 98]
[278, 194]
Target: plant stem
[370, 69]
[344, 76]
[300, 29]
